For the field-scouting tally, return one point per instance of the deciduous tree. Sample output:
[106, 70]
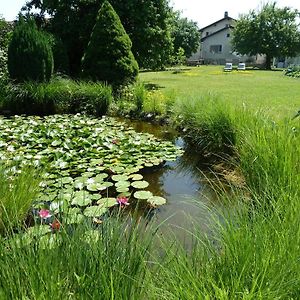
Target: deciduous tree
[271, 31]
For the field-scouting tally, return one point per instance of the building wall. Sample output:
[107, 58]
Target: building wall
[221, 39]
[213, 28]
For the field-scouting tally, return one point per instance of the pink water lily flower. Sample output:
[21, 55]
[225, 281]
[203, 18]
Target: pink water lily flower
[122, 201]
[44, 214]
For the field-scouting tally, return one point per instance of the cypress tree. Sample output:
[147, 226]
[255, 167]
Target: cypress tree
[108, 56]
[29, 53]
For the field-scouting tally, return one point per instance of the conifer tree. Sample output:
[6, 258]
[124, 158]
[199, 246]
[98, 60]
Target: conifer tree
[29, 53]
[108, 56]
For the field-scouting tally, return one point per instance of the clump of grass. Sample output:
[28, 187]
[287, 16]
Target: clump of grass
[104, 262]
[58, 96]
[206, 124]
[17, 194]
[250, 256]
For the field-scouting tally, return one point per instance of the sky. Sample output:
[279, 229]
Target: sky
[202, 12]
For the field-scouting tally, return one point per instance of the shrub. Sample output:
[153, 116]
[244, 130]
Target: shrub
[58, 96]
[108, 56]
[29, 53]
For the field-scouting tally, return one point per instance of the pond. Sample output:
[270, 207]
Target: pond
[91, 166]
[190, 197]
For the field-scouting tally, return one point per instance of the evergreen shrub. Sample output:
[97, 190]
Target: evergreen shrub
[108, 56]
[29, 53]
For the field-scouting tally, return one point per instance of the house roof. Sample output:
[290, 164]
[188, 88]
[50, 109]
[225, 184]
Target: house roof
[224, 28]
[212, 24]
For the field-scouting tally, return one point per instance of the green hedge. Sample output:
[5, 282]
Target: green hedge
[57, 96]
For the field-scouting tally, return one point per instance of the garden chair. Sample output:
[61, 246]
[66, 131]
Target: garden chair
[228, 67]
[241, 67]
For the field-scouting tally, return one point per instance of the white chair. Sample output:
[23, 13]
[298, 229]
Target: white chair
[228, 67]
[241, 67]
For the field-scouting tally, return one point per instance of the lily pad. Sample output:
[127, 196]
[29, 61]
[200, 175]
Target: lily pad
[140, 184]
[136, 176]
[142, 195]
[95, 211]
[121, 184]
[119, 177]
[107, 202]
[81, 199]
[156, 201]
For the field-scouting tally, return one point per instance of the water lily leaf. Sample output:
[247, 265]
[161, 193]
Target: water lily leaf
[72, 211]
[81, 198]
[119, 177]
[95, 211]
[142, 195]
[156, 201]
[140, 184]
[95, 196]
[66, 180]
[122, 189]
[107, 202]
[136, 176]
[94, 187]
[148, 165]
[121, 184]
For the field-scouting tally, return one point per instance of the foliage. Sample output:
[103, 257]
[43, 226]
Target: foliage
[29, 53]
[17, 194]
[146, 22]
[186, 35]
[85, 159]
[5, 33]
[108, 56]
[60, 55]
[108, 260]
[272, 31]
[57, 96]
[180, 57]
[207, 126]
[293, 71]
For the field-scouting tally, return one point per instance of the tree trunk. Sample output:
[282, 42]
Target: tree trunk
[268, 62]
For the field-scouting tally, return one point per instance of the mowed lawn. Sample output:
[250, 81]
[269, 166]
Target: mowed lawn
[270, 91]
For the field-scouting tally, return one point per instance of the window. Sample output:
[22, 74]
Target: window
[228, 35]
[207, 33]
[215, 49]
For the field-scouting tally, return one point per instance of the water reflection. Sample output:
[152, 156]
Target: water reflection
[182, 183]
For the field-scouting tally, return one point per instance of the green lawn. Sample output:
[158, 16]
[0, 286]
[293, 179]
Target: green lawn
[269, 90]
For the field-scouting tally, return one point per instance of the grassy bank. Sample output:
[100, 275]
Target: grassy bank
[252, 254]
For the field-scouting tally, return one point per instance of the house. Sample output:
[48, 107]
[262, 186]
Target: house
[215, 47]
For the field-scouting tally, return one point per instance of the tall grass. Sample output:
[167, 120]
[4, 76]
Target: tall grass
[206, 124]
[58, 96]
[17, 194]
[104, 262]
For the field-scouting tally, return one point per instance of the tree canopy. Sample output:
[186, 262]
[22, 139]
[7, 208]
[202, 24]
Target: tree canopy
[185, 34]
[271, 31]
[146, 22]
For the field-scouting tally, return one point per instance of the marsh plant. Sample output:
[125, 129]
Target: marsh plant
[17, 193]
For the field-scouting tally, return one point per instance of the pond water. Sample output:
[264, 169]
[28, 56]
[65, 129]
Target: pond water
[190, 198]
